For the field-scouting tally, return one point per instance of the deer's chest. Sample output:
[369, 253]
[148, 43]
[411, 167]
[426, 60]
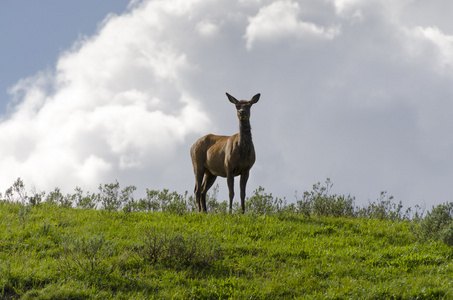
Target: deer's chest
[241, 159]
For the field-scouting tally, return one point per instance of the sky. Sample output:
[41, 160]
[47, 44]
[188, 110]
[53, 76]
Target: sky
[358, 91]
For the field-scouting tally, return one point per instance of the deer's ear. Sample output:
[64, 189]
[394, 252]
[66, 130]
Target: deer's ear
[255, 98]
[232, 99]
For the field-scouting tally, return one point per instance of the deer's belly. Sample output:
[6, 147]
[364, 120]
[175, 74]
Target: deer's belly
[219, 161]
[216, 165]
[220, 173]
[220, 169]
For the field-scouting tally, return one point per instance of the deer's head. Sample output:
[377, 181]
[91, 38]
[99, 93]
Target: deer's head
[243, 106]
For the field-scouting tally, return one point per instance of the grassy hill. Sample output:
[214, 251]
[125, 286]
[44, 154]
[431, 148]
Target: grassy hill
[50, 251]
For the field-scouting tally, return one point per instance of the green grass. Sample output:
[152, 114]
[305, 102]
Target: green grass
[52, 252]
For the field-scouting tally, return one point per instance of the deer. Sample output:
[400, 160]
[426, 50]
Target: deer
[225, 156]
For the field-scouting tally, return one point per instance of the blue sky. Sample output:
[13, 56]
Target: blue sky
[34, 33]
[355, 90]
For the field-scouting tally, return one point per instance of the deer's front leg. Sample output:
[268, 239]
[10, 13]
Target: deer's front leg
[243, 184]
[230, 182]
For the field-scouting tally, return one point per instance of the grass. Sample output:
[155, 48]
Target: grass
[108, 245]
[53, 252]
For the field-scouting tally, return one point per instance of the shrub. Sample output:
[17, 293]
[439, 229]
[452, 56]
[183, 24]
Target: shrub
[165, 201]
[195, 251]
[317, 202]
[320, 202]
[384, 209]
[173, 202]
[87, 202]
[438, 224]
[109, 196]
[150, 203]
[16, 193]
[112, 199]
[36, 197]
[127, 199]
[212, 203]
[263, 203]
[86, 254]
[56, 197]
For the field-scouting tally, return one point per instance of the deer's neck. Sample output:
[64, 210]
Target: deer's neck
[245, 134]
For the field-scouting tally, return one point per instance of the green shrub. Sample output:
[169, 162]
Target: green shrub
[150, 203]
[319, 202]
[173, 202]
[86, 202]
[384, 209]
[56, 197]
[85, 254]
[177, 250]
[17, 193]
[438, 224]
[212, 203]
[264, 204]
[165, 201]
[112, 198]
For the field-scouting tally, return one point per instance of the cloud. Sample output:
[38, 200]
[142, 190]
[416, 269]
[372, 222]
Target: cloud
[432, 38]
[279, 20]
[114, 102]
[366, 103]
[207, 28]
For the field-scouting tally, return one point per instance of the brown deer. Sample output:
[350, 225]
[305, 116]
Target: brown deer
[225, 156]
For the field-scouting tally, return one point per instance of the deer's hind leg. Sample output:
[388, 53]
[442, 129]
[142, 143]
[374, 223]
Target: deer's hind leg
[208, 181]
[198, 187]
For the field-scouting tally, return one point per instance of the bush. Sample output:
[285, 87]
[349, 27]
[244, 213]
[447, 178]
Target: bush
[438, 224]
[86, 254]
[319, 202]
[212, 204]
[112, 199]
[195, 251]
[109, 196]
[87, 202]
[264, 204]
[16, 193]
[384, 209]
[56, 197]
[165, 201]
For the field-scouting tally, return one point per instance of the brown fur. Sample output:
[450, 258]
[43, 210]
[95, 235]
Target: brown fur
[225, 156]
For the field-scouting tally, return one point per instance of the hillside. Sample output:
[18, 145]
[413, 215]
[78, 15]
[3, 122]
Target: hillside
[50, 251]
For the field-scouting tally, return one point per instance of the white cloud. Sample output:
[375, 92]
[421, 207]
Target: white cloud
[279, 21]
[207, 28]
[115, 102]
[441, 42]
[357, 10]
[341, 6]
